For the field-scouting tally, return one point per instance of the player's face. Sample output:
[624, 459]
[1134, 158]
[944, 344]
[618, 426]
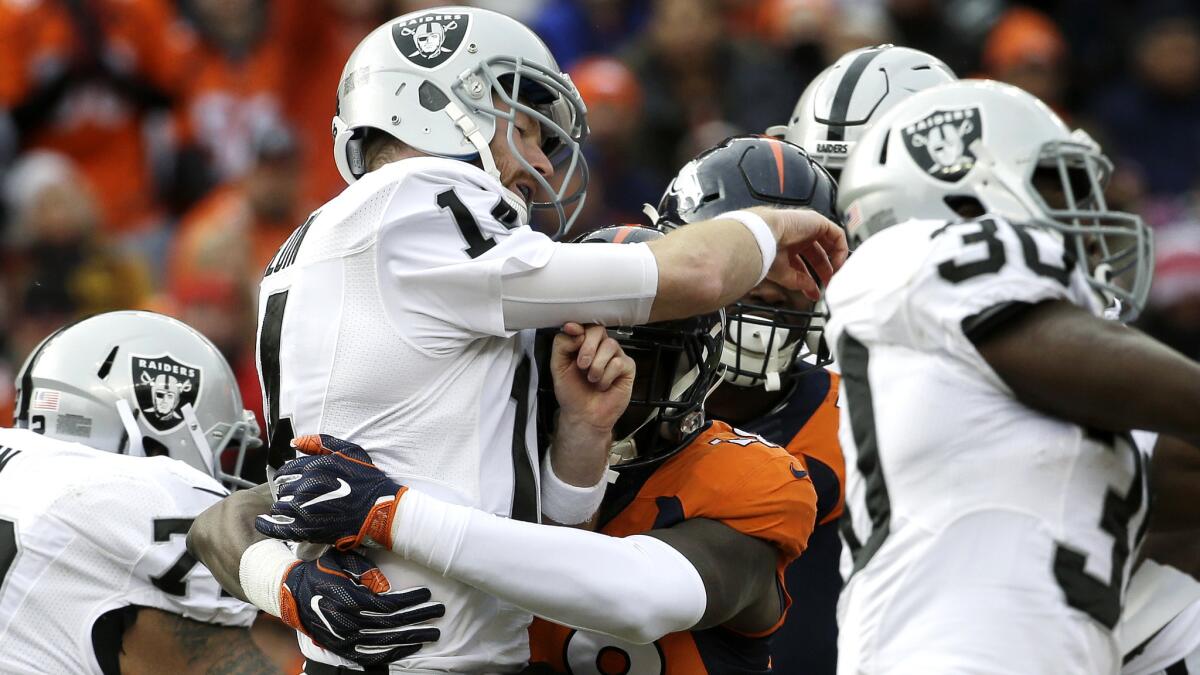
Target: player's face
[527, 137]
[771, 294]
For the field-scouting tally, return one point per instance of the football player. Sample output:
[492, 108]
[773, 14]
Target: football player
[701, 519]
[775, 382]
[1160, 621]
[400, 315]
[838, 106]
[986, 401]
[126, 425]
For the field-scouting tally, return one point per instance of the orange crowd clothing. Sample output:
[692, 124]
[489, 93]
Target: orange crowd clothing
[88, 103]
[222, 237]
[331, 38]
[228, 100]
[725, 475]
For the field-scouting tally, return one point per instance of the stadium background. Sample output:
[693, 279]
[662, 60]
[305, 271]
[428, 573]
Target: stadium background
[155, 153]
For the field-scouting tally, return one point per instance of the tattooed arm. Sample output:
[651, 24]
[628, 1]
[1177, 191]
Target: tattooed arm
[161, 642]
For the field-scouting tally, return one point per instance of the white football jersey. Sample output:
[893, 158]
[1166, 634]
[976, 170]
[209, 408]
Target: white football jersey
[381, 322]
[935, 440]
[85, 532]
[1160, 627]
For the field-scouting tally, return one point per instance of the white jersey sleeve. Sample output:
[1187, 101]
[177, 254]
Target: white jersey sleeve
[927, 284]
[453, 260]
[145, 517]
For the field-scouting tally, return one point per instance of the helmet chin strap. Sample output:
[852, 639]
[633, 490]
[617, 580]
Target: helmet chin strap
[472, 133]
[197, 434]
[136, 447]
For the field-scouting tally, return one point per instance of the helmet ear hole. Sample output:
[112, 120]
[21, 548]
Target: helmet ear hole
[884, 147]
[966, 206]
[154, 448]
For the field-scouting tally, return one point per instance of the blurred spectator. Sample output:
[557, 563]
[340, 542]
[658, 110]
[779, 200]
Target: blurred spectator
[233, 233]
[1151, 119]
[1173, 315]
[573, 29]
[57, 268]
[952, 30]
[618, 188]
[700, 85]
[233, 89]
[332, 28]
[1027, 50]
[79, 78]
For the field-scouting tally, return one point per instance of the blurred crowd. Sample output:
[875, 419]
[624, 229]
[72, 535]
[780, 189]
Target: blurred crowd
[155, 153]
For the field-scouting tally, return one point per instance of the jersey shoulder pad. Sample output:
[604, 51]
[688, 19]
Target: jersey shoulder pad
[749, 484]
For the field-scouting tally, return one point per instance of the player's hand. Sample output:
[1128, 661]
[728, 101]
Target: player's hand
[804, 236]
[593, 378]
[333, 495]
[345, 604]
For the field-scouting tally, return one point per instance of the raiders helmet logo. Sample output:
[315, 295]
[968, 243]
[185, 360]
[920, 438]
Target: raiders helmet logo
[940, 143]
[162, 386]
[431, 39]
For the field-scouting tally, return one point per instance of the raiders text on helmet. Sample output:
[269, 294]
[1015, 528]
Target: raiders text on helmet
[439, 79]
[972, 147]
[763, 344]
[138, 383]
[840, 103]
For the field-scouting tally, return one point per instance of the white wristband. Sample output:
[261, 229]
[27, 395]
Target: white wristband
[565, 503]
[762, 233]
[261, 573]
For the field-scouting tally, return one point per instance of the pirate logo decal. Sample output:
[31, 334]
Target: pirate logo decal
[940, 143]
[162, 386]
[429, 40]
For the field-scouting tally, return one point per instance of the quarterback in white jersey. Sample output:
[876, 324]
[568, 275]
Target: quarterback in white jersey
[399, 316]
[995, 502]
[94, 576]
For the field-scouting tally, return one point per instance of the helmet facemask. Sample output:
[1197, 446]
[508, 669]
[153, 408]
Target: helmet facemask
[765, 344]
[678, 366]
[551, 100]
[1068, 184]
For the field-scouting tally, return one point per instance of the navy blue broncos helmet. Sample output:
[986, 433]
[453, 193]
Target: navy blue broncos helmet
[765, 345]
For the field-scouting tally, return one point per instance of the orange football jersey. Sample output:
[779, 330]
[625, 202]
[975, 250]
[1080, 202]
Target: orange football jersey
[807, 424]
[724, 475]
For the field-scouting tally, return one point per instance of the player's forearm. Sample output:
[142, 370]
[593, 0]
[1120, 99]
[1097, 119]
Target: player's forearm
[704, 267]
[563, 574]
[220, 535]
[1061, 360]
[573, 475]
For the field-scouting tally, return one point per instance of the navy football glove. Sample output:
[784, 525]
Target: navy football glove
[335, 495]
[343, 602]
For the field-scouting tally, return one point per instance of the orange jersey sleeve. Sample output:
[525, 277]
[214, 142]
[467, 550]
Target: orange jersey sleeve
[817, 444]
[739, 479]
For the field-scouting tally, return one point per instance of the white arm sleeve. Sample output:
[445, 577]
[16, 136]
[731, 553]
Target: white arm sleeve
[450, 271]
[609, 284]
[569, 576]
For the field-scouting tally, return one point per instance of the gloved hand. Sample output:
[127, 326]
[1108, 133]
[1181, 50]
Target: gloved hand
[334, 495]
[344, 603]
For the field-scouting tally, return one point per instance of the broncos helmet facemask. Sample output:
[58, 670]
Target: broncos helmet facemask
[766, 343]
[678, 365]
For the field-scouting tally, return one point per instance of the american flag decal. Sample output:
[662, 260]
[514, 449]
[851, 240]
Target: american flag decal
[45, 399]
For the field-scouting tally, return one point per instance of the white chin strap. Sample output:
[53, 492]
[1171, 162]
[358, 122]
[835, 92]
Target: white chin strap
[1114, 307]
[625, 449]
[749, 347]
[197, 434]
[471, 131]
[136, 448]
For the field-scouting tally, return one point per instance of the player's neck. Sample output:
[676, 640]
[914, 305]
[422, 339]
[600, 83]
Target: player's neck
[738, 405]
